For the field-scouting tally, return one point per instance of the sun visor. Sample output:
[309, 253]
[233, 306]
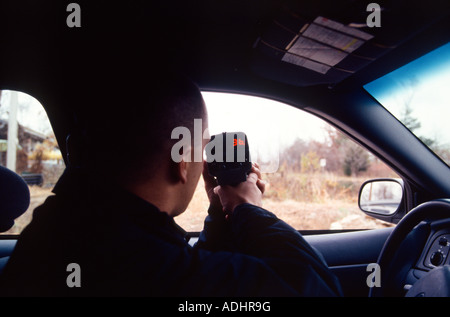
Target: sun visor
[325, 42]
[319, 50]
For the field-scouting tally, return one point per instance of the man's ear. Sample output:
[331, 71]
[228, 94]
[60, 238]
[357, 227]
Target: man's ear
[179, 170]
[182, 171]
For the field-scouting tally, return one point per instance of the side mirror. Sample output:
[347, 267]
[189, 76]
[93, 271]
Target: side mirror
[381, 198]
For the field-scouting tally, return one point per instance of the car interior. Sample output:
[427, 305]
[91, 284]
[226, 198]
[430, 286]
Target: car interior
[253, 48]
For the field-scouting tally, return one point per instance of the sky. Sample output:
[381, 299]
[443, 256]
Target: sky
[270, 126]
[255, 115]
[30, 113]
[430, 93]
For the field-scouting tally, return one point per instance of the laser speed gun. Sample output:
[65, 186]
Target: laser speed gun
[228, 158]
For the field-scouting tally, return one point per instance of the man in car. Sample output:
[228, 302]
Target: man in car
[109, 230]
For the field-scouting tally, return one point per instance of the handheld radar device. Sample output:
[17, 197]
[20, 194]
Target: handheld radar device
[228, 158]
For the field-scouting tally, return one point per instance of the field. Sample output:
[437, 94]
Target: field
[305, 201]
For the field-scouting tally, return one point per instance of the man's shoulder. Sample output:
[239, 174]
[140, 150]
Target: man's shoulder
[62, 233]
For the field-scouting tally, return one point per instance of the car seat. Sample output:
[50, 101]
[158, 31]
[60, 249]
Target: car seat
[14, 201]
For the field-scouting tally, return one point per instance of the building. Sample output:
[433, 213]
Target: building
[28, 139]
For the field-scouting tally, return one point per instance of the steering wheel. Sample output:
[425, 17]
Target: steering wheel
[403, 248]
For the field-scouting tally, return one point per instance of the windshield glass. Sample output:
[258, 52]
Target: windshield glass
[417, 94]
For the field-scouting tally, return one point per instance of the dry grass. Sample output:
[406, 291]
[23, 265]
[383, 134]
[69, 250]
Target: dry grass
[314, 207]
[305, 201]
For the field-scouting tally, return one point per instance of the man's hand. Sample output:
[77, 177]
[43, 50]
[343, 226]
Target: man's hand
[250, 191]
[210, 184]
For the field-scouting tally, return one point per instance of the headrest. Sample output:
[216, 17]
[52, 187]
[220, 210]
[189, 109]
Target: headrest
[14, 198]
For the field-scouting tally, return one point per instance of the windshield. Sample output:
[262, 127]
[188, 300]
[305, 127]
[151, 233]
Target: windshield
[417, 94]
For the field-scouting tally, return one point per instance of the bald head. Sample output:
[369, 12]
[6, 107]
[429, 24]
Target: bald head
[129, 121]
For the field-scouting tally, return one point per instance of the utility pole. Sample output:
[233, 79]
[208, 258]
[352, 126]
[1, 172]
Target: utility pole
[12, 131]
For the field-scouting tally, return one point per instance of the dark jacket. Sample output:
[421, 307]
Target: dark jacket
[125, 246]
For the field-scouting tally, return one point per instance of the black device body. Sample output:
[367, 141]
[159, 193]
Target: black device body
[228, 158]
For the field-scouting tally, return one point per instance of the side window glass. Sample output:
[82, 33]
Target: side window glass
[314, 172]
[29, 148]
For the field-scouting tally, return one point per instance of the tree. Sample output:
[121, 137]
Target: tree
[345, 155]
[356, 159]
[47, 150]
[413, 124]
[408, 120]
[310, 162]
[291, 156]
[341, 153]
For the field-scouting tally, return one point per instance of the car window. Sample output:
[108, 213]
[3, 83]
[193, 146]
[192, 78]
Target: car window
[314, 172]
[417, 95]
[29, 148]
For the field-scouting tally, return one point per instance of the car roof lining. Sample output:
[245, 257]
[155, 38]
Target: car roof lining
[50, 61]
